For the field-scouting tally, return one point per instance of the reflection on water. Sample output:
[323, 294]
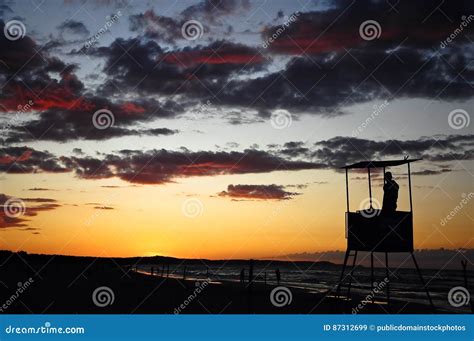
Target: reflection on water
[404, 283]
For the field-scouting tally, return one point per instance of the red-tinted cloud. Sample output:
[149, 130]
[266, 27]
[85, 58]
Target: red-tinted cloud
[214, 57]
[8, 159]
[17, 97]
[132, 108]
[18, 160]
[348, 26]
[304, 39]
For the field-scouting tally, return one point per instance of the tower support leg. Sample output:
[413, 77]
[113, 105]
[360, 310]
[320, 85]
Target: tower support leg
[423, 282]
[372, 277]
[346, 257]
[387, 274]
[351, 275]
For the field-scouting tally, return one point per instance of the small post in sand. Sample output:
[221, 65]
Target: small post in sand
[464, 271]
[249, 288]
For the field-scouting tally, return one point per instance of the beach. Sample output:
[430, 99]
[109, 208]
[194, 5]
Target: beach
[70, 284]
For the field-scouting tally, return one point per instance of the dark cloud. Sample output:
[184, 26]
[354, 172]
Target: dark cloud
[162, 166]
[21, 55]
[155, 26]
[169, 29]
[338, 68]
[103, 208]
[294, 149]
[65, 111]
[27, 160]
[64, 108]
[39, 200]
[263, 192]
[14, 212]
[40, 189]
[325, 85]
[73, 27]
[53, 126]
[340, 151]
[213, 10]
[78, 151]
[421, 24]
[432, 171]
[322, 84]
[218, 53]
[195, 72]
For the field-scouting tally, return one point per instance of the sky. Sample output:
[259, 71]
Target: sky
[217, 129]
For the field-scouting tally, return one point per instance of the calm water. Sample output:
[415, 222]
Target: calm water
[404, 283]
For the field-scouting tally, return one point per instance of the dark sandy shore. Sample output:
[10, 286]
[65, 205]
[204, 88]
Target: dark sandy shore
[65, 285]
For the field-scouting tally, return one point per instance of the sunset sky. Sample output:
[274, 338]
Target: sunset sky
[215, 129]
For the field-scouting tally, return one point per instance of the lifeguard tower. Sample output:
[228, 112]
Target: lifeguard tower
[371, 230]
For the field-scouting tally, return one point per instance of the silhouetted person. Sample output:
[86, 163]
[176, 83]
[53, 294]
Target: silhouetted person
[250, 272]
[242, 276]
[278, 276]
[390, 194]
[249, 288]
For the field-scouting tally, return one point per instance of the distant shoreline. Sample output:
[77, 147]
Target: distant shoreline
[427, 258]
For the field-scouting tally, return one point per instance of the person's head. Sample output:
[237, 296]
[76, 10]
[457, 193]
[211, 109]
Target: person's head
[388, 176]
